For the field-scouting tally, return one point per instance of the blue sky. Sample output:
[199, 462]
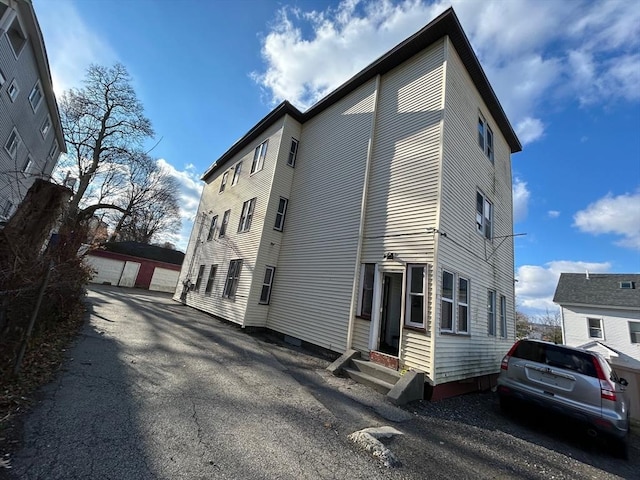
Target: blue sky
[566, 73]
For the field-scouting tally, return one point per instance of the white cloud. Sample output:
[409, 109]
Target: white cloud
[520, 200]
[553, 213]
[535, 53]
[71, 45]
[613, 215]
[536, 285]
[190, 192]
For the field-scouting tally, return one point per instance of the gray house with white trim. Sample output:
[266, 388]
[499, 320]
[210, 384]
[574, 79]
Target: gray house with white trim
[31, 137]
[378, 220]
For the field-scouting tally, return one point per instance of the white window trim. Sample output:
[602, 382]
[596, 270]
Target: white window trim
[487, 133]
[279, 226]
[259, 155]
[212, 228]
[198, 283]
[2, 78]
[486, 225]
[24, 35]
[409, 294]
[16, 90]
[455, 303]
[28, 165]
[232, 279]
[223, 183]
[36, 87]
[236, 173]
[293, 152]
[491, 313]
[46, 126]
[213, 270]
[13, 151]
[246, 216]
[269, 285]
[601, 328]
[225, 223]
[503, 316]
[361, 290]
[634, 335]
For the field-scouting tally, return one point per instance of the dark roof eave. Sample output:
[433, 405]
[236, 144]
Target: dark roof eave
[446, 24]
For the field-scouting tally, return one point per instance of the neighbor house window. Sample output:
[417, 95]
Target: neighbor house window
[225, 222]
[223, 183]
[246, 215]
[35, 97]
[485, 138]
[491, 312]
[265, 293]
[595, 327]
[366, 293]
[627, 285]
[46, 126]
[28, 164]
[634, 331]
[231, 283]
[12, 144]
[282, 210]
[236, 173]
[503, 316]
[212, 276]
[259, 156]
[212, 228]
[13, 90]
[454, 303]
[416, 279]
[199, 279]
[17, 38]
[293, 153]
[484, 216]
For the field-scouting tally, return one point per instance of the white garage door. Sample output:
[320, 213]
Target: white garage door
[164, 280]
[107, 270]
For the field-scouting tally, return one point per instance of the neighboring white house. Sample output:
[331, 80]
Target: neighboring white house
[602, 312]
[31, 137]
[380, 219]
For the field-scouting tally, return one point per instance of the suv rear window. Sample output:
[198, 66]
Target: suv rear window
[556, 356]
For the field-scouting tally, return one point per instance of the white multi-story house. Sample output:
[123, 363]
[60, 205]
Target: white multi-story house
[31, 137]
[601, 312]
[378, 220]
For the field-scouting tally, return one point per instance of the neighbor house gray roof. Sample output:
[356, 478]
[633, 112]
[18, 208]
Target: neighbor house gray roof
[598, 290]
[446, 24]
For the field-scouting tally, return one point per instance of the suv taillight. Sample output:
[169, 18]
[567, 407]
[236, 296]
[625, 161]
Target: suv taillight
[504, 365]
[607, 389]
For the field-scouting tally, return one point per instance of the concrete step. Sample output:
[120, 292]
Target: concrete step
[369, 380]
[375, 370]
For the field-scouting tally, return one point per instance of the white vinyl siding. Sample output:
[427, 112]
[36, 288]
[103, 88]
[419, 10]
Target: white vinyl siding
[318, 253]
[489, 265]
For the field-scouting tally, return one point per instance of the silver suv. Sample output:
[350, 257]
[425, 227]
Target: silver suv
[573, 382]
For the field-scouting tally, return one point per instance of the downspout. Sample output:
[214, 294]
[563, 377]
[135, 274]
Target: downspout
[363, 211]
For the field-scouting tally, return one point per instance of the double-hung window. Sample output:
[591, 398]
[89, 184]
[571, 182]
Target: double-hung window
[199, 279]
[46, 126]
[503, 316]
[223, 183]
[265, 293]
[258, 157]
[293, 153]
[233, 276]
[246, 215]
[236, 173]
[225, 222]
[454, 303]
[280, 214]
[212, 276]
[634, 332]
[27, 164]
[491, 312]
[485, 138]
[212, 228]
[415, 309]
[595, 328]
[13, 90]
[35, 97]
[366, 292]
[53, 151]
[484, 216]
[12, 144]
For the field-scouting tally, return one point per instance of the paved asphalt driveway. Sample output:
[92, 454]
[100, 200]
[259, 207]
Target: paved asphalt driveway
[154, 389]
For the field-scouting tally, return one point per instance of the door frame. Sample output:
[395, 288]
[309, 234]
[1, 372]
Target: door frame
[376, 314]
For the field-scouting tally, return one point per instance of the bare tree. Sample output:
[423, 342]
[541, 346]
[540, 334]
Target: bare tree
[149, 203]
[522, 325]
[105, 125]
[553, 326]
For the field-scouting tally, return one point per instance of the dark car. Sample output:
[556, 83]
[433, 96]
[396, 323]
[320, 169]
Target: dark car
[573, 382]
